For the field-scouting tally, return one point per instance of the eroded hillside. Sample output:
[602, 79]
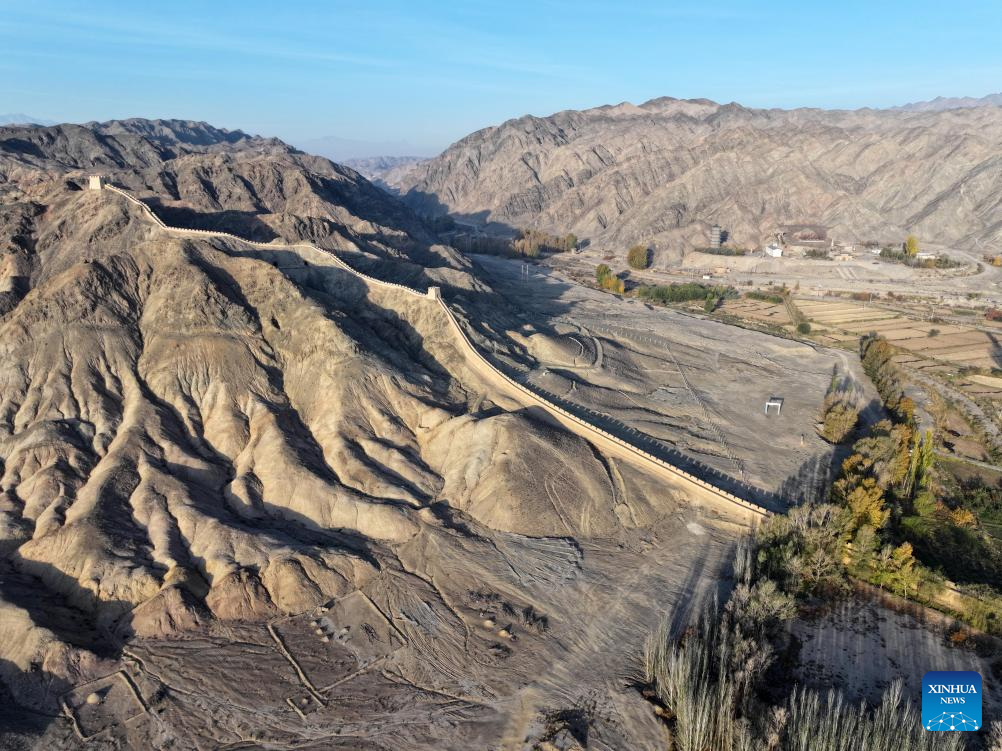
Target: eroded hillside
[666, 170]
[245, 493]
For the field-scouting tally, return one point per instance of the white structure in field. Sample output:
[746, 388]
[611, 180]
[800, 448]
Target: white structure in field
[774, 251]
[96, 182]
[774, 402]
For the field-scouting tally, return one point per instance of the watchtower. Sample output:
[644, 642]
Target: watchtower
[435, 293]
[715, 232]
[95, 182]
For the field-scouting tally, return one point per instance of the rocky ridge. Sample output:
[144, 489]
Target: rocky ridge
[666, 170]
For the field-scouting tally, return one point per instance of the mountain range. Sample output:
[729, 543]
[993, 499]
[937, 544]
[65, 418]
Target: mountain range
[664, 171]
[19, 118]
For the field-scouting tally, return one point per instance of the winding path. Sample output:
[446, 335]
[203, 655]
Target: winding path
[594, 434]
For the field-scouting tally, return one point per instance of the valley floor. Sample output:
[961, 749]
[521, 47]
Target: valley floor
[696, 385]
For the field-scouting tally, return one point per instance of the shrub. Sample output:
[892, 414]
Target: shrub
[607, 280]
[639, 257]
[803, 327]
[615, 284]
[933, 332]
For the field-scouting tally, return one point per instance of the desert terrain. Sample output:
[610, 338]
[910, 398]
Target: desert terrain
[663, 171]
[250, 497]
[279, 468]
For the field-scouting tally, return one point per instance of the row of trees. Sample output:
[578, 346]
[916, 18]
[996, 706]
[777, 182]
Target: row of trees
[665, 294]
[711, 680]
[910, 525]
[527, 243]
[531, 243]
[877, 355]
[891, 520]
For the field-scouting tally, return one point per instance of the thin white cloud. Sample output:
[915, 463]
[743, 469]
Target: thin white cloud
[135, 33]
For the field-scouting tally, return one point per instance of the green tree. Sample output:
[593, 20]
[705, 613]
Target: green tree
[866, 502]
[864, 545]
[838, 421]
[602, 272]
[639, 257]
[896, 569]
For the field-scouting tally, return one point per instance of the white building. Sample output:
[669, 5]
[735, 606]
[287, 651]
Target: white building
[774, 251]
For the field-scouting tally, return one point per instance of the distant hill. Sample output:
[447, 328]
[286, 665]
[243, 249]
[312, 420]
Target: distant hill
[343, 149]
[19, 118]
[941, 103]
[668, 169]
[384, 171]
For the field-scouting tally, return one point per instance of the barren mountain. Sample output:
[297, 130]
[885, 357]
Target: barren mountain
[249, 496]
[16, 118]
[384, 171]
[666, 170]
[953, 102]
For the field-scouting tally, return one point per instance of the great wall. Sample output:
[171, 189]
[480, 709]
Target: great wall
[608, 442]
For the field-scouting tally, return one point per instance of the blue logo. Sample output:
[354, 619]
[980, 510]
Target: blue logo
[951, 700]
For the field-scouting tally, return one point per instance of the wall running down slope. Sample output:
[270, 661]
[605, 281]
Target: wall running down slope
[492, 374]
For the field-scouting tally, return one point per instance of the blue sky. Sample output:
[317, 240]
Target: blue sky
[415, 76]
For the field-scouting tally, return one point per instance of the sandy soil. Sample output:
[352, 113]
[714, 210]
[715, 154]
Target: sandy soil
[860, 647]
[477, 639]
[695, 384]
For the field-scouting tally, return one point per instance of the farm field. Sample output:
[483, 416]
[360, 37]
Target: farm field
[759, 311]
[959, 346]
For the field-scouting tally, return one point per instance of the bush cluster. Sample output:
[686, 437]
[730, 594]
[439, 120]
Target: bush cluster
[607, 280]
[639, 257]
[687, 292]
